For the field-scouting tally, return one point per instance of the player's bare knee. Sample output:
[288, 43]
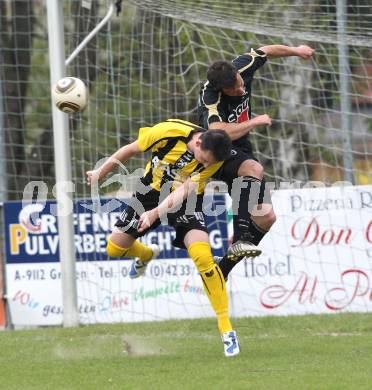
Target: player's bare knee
[264, 216]
[270, 218]
[251, 168]
[118, 243]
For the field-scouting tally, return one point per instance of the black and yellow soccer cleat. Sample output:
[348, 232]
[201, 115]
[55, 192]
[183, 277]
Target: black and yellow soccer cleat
[241, 249]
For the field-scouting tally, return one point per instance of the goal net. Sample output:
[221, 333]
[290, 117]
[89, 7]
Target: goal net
[147, 65]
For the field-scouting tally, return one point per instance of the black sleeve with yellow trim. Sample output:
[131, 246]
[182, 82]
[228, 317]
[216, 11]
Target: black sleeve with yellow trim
[210, 107]
[248, 63]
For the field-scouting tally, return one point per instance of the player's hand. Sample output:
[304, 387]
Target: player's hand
[305, 52]
[147, 219]
[262, 120]
[92, 177]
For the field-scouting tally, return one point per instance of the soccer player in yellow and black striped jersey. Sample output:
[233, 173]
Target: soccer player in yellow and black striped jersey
[183, 157]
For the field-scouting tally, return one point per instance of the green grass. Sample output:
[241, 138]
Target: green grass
[304, 352]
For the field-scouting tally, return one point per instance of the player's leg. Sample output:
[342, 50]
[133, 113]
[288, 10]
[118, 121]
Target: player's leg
[124, 245]
[198, 247]
[244, 176]
[192, 233]
[255, 201]
[247, 192]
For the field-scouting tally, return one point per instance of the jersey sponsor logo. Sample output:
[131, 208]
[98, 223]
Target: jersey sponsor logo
[171, 171]
[185, 159]
[155, 162]
[240, 113]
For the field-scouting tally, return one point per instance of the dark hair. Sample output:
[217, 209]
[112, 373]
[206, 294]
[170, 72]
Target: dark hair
[222, 74]
[217, 142]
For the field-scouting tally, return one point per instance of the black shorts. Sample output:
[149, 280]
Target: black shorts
[183, 220]
[229, 169]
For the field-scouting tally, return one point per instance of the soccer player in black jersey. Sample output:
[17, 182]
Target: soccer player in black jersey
[183, 157]
[225, 103]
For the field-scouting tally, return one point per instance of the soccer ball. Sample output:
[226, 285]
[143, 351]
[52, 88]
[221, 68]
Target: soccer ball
[70, 95]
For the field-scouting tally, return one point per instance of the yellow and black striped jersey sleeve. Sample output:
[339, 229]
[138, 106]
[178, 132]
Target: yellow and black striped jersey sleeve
[171, 161]
[149, 137]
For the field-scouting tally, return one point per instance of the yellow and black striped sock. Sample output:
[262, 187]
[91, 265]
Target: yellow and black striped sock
[143, 252]
[213, 281]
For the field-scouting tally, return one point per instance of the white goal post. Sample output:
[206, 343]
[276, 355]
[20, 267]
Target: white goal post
[63, 172]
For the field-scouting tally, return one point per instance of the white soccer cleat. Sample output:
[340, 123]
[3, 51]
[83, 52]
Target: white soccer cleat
[138, 267]
[230, 343]
[242, 249]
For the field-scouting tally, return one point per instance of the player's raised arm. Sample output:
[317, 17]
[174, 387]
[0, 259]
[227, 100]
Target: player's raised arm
[122, 155]
[303, 51]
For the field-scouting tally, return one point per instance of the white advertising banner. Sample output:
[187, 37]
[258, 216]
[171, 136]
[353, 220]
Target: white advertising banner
[316, 259]
[171, 289]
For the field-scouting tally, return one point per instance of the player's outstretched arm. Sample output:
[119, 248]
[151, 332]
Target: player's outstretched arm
[172, 200]
[122, 155]
[303, 51]
[237, 130]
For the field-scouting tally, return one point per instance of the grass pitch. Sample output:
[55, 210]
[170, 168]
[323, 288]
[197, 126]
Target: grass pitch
[305, 352]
